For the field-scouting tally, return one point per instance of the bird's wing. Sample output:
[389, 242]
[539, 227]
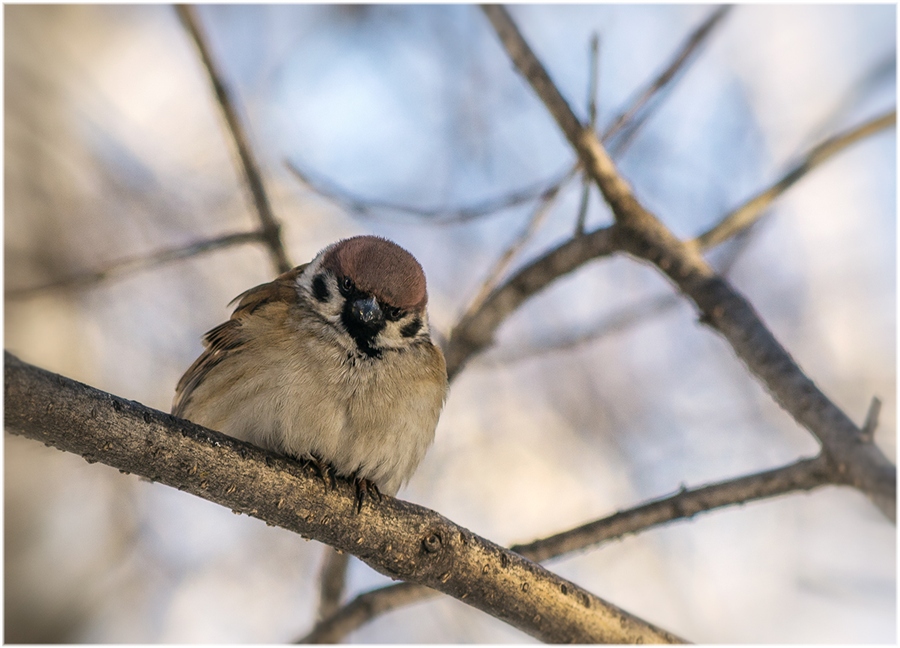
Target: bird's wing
[227, 338]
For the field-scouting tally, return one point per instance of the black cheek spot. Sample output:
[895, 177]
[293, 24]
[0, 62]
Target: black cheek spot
[412, 328]
[320, 290]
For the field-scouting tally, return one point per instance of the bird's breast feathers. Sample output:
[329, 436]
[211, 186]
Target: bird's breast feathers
[308, 393]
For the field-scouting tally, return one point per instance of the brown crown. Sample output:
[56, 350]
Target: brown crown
[380, 267]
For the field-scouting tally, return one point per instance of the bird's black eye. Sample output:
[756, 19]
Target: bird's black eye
[346, 285]
[393, 313]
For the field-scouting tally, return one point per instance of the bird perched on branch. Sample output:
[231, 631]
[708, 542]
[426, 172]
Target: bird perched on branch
[332, 361]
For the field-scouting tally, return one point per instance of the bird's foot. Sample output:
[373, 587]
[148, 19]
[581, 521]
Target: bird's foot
[365, 487]
[325, 470]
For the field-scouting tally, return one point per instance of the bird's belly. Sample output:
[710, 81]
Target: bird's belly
[351, 413]
[368, 424]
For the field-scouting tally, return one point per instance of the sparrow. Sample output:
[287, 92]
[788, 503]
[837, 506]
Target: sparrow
[331, 362]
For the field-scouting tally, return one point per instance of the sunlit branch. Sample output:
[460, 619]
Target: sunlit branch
[742, 217]
[804, 474]
[399, 539]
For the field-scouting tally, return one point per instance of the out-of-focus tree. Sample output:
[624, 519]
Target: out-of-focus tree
[130, 223]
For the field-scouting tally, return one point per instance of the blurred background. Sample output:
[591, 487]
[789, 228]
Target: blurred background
[115, 149]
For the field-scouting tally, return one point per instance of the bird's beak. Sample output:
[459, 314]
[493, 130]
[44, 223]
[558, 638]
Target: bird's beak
[367, 310]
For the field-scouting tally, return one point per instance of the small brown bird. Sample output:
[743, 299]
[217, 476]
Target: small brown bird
[332, 361]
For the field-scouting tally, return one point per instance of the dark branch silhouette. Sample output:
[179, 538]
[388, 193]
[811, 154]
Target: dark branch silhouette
[271, 229]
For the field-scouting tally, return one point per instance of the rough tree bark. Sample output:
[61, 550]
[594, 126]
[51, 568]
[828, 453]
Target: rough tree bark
[396, 538]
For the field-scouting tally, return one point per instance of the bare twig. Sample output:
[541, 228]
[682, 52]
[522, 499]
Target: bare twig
[537, 217]
[805, 474]
[880, 74]
[331, 586]
[682, 57]
[615, 323]
[593, 88]
[593, 79]
[868, 429]
[271, 229]
[581, 219]
[436, 215]
[639, 233]
[128, 266]
[742, 217]
[398, 539]
[476, 330]
[364, 608]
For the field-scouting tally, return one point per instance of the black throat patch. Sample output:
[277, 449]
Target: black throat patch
[362, 334]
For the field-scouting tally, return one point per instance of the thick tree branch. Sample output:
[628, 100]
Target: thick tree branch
[271, 229]
[642, 235]
[396, 538]
[805, 474]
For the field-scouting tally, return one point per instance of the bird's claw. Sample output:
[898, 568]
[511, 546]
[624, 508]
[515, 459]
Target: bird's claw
[365, 487]
[326, 472]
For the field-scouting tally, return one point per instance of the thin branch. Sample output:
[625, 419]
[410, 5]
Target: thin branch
[641, 234]
[271, 229]
[396, 538]
[476, 330]
[871, 423]
[331, 582]
[474, 334]
[805, 474]
[593, 79]
[802, 475]
[748, 213]
[437, 215]
[593, 89]
[581, 219]
[615, 323]
[537, 218]
[136, 264]
[680, 61]
[364, 608]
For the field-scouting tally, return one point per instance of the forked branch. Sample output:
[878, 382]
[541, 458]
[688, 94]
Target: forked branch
[642, 235]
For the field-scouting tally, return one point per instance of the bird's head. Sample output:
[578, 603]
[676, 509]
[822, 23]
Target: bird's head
[370, 289]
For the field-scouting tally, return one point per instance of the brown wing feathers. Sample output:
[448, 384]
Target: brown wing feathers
[226, 338]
